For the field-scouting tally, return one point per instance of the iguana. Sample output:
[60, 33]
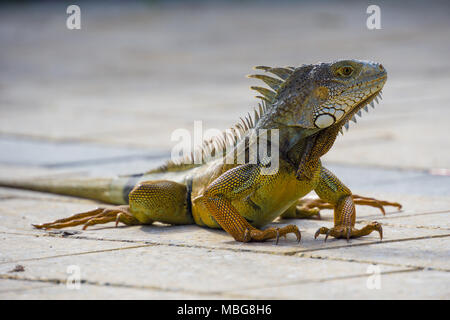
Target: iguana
[308, 106]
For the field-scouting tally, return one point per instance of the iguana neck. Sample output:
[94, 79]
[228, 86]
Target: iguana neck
[295, 143]
[299, 145]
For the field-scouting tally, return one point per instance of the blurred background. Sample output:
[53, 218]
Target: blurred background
[137, 70]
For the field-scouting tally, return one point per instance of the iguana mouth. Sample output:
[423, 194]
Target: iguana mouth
[364, 104]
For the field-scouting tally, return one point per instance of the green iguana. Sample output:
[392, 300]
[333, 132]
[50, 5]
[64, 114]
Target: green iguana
[307, 106]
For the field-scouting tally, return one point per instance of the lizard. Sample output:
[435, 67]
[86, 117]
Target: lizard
[307, 106]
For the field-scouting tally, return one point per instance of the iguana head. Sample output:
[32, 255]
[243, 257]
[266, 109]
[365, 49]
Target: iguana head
[322, 95]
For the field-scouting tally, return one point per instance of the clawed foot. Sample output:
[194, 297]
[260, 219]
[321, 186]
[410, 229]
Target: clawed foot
[372, 202]
[271, 233]
[312, 206]
[307, 212]
[97, 216]
[348, 232]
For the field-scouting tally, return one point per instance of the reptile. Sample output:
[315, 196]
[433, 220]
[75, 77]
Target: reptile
[306, 106]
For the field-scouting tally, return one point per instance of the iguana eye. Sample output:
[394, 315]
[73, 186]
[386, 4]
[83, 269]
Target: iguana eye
[344, 71]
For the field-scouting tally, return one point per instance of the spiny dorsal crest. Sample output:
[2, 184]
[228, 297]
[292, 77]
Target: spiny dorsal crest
[215, 147]
[274, 83]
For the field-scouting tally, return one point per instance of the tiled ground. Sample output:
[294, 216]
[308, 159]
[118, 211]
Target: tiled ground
[104, 100]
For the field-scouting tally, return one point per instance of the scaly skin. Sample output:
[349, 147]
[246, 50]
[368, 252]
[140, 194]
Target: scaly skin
[308, 106]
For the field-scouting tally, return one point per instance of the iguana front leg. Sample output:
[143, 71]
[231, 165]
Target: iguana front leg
[236, 184]
[334, 194]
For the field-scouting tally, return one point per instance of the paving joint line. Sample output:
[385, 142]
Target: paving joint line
[395, 216]
[77, 253]
[415, 267]
[58, 281]
[19, 290]
[377, 242]
[345, 277]
[408, 226]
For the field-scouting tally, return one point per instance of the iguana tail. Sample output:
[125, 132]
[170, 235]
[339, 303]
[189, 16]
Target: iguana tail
[108, 190]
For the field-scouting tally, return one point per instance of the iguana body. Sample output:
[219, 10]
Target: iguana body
[308, 106]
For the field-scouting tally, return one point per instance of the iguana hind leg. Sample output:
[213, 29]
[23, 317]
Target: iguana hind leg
[236, 183]
[149, 201]
[334, 194]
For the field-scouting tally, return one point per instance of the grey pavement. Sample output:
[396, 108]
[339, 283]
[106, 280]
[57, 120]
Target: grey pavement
[104, 100]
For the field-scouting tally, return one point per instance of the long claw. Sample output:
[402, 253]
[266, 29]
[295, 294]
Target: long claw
[317, 233]
[380, 231]
[326, 236]
[118, 218]
[382, 209]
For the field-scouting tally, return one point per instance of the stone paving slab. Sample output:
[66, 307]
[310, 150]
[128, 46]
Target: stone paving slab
[429, 220]
[36, 290]
[191, 270]
[77, 159]
[429, 253]
[402, 285]
[40, 247]
[313, 276]
[25, 212]
[413, 205]
[19, 194]
[367, 179]
[10, 288]
[49, 154]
